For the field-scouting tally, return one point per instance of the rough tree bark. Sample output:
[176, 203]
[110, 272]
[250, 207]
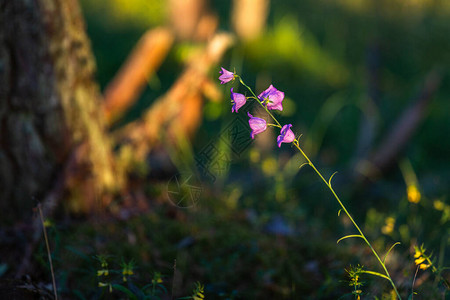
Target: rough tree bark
[53, 143]
[49, 108]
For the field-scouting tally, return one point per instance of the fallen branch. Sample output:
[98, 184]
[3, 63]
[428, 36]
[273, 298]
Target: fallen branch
[402, 131]
[179, 111]
[146, 58]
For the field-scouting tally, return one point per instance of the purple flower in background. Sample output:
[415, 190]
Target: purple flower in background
[238, 101]
[286, 135]
[257, 125]
[226, 76]
[273, 97]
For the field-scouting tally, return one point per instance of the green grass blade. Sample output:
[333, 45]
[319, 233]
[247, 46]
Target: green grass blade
[125, 290]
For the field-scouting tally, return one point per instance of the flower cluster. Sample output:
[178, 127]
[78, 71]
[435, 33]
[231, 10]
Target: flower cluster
[271, 99]
[103, 273]
[421, 259]
[354, 273]
[127, 270]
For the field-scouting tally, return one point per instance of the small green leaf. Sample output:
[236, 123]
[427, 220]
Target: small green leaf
[329, 180]
[125, 290]
[390, 249]
[376, 274]
[302, 165]
[339, 212]
[162, 287]
[349, 236]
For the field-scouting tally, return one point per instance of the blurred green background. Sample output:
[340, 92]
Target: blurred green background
[264, 228]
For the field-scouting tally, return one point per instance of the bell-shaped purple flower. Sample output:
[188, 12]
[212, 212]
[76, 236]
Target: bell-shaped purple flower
[238, 101]
[286, 135]
[257, 125]
[226, 76]
[272, 97]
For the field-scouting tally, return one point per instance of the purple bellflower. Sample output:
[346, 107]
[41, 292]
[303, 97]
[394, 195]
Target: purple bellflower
[272, 97]
[286, 135]
[238, 101]
[226, 76]
[257, 125]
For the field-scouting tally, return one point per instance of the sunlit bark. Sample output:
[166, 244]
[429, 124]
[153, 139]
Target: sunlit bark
[48, 107]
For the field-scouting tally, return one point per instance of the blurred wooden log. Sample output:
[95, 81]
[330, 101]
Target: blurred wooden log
[177, 113]
[206, 27]
[401, 132]
[249, 17]
[146, 58]
[190, 19]
[184, 16]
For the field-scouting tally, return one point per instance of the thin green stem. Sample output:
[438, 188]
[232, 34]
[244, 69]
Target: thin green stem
[41, 215]
[328, 184]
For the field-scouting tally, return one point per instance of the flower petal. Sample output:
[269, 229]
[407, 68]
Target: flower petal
[257, 125]
[286, 135]
[238, 100]
[226, 76]
[273, 96]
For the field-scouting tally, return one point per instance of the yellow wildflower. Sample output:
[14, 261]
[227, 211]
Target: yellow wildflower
[389, 227]
[103, 272]
[413, 193]
[419, 260]
[439, 205]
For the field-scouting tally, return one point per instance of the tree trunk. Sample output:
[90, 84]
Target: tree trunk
[49, 108]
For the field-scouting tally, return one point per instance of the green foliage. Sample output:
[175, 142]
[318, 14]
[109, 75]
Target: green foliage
[109, 281]
[198, 293]
[123, 13]
[294, 46]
